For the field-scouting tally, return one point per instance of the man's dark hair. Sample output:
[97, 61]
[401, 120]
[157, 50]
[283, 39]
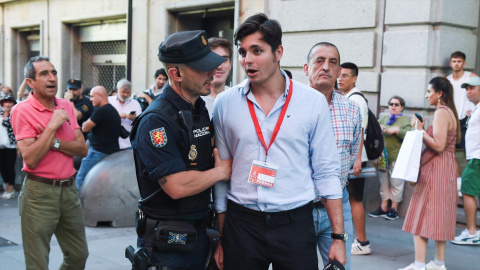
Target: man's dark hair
[162, 72]
[443, 84]
[289, 74]
[351, 66]
[327, 44]
[221, 42]
[458, 54]
[270, 30]
[29, 69]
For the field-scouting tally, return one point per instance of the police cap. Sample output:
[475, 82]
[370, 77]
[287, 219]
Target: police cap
[74, 84]
[190, 48]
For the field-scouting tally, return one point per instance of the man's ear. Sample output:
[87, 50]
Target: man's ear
[305, 69]
[173, 74]
[279, 53]
[29, 82]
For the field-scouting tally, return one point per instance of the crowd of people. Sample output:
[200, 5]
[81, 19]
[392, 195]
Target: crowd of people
[280, 174]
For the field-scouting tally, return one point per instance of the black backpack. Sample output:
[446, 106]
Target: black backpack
[374, 141]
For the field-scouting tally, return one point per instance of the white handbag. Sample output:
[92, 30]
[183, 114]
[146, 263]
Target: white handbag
[407, 164]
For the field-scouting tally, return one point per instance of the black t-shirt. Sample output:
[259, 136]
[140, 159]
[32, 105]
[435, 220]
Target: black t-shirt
[105, 134]
[85, 106]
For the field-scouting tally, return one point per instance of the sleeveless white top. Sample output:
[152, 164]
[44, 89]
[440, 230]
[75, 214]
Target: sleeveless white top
[460, 95]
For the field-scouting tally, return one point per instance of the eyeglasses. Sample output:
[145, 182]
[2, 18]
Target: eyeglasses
[394, 104]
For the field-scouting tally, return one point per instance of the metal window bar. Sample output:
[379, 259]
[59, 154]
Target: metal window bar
[103, 63]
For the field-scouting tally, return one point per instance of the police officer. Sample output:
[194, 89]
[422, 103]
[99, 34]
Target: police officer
[83, 106]
[172, 144]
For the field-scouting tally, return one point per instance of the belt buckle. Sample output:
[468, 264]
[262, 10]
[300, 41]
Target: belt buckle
[63, 181]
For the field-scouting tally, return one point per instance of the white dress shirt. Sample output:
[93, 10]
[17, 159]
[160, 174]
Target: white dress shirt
[126, 108]
[305, 149]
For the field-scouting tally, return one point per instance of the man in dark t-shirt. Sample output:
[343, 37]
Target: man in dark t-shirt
[105, 126]
[83, 106]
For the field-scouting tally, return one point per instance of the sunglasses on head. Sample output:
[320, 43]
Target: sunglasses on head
[394, 104]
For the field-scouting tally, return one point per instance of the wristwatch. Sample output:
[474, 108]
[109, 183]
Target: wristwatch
[340, 236]
[56, 144]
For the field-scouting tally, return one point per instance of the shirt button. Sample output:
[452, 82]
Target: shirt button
[259, 187]
[269, 217]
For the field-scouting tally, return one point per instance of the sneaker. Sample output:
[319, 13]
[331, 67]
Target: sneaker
[358, 249]
[412, 267]
[465, 238]
[392, 214]
[378, 213]
[433, 266]
[8, 195]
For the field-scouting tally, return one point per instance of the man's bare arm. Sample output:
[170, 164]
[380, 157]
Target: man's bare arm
[219, 251]
[335, 214]
[188, 183]
[77, 147]
[34, 149]
[88, 126]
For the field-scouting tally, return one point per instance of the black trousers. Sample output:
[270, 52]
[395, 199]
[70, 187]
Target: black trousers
[7, 165]
[252, 239]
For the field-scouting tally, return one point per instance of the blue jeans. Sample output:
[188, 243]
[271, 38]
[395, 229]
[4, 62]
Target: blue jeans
[92, 158]
[323, 229]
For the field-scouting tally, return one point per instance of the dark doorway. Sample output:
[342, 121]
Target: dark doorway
[216, 21]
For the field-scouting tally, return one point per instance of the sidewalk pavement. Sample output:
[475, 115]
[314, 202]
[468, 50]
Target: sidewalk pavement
[391, 247]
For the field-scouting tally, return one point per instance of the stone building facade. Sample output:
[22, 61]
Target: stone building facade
[397, 44]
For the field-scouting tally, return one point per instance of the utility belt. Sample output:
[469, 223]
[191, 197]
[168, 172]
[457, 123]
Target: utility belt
[169, 235]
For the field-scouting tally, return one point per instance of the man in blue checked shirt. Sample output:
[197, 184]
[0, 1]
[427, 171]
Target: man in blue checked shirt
[279, 134]
[323, 69]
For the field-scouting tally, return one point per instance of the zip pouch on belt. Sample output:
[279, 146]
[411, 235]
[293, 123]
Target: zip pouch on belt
[175, 236]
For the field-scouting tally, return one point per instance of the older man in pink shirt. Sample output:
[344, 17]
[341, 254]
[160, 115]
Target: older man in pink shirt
[48, 137]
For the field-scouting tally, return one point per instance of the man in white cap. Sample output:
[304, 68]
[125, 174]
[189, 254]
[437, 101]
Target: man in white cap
[471, 175]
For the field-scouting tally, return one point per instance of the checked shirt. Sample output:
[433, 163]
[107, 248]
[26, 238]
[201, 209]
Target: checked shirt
[347, 127]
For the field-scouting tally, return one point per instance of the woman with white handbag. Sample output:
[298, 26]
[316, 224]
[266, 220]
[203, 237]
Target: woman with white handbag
[432, 210]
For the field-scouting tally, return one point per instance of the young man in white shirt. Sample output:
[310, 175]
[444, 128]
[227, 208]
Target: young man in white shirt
[346, 84]
[464, 107]
[222, 47]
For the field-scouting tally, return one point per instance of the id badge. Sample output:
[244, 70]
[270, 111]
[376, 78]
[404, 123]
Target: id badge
[263, 173]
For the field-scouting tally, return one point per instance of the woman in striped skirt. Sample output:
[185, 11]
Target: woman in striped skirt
[433, 209]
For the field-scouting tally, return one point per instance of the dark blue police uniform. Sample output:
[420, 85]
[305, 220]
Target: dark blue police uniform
[162, 147]
[172, 136]
[85, 106]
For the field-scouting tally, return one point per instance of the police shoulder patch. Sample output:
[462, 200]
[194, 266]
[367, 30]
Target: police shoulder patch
[158, 137]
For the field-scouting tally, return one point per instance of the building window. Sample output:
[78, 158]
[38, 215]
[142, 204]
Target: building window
[103, 63]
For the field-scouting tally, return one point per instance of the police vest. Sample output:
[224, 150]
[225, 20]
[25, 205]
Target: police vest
[195, 142]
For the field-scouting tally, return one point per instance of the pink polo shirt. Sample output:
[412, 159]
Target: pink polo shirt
[25, 118]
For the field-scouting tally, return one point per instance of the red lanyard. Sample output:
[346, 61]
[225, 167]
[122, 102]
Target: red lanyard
[279, 121]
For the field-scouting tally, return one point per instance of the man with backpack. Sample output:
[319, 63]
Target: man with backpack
[355, 187]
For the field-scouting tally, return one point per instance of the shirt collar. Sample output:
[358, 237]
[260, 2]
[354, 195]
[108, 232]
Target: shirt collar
[247, 86]
[335, 95]
[354, 89]
[179, 102]
[39, 106]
